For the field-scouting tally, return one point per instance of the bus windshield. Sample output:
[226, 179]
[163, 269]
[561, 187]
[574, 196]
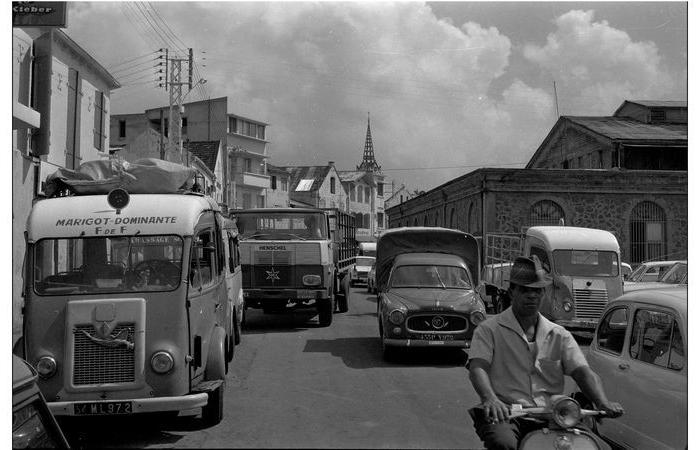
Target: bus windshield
[282, 226]
[586, 263]
[107, 265]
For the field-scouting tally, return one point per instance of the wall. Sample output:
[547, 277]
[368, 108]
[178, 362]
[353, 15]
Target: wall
[136, 124]
[278, 198]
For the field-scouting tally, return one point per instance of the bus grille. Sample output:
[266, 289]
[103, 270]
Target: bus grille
[590, 303]
[96, 364]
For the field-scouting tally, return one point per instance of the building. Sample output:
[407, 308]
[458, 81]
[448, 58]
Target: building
[243, 143]
[211, 157]
[316, 186]
[647, 210]
[278, 194]
[60, 112]
[400, 195]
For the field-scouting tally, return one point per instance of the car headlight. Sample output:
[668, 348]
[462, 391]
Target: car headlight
[46, 366]
[476, 317]
[311, 280]
[162, 362]
[567, 306]
[397, 317]
[566, 412]
[28, 430]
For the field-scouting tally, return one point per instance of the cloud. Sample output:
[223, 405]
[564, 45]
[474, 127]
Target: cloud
[598, 66]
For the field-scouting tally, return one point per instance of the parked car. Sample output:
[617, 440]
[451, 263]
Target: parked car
[626, 270]
[359, 271]
[640, 351]
[649, 271]
[676, 274]
[33, 426]
[426, 279]
[372, 279]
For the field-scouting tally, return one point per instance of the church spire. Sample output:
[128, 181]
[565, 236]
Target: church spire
[369, 164]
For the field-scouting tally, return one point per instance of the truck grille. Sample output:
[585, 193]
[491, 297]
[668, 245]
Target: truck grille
[96, 364]
[590, 303]
[267, 258]
[436, 322]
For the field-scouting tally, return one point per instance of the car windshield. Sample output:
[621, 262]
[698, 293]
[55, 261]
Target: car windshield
[676, 274]
[107, 265]
[364, 261]
[282, 226]
[637, 274]
[428, 276]
[586, 263]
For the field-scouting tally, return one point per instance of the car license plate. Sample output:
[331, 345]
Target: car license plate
[436, 337]
[306, 294]
[102, 408]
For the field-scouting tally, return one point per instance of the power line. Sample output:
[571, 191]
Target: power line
[453, 167]
[113, 66]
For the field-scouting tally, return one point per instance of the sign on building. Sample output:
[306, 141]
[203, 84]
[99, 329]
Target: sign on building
[39, 14]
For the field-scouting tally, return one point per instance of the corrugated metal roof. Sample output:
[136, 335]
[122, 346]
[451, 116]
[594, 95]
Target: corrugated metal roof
[207, 151]
[624, 128]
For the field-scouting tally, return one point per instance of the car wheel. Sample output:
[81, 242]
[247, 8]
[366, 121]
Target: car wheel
[389, 352]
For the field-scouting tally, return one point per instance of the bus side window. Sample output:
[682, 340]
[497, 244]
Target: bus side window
[233, 259]
[203, 262]
[542, 255]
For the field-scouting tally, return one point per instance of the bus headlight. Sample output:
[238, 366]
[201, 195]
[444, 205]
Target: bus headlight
[397, 317]
[566, 412]
[162, 362]
[567, 306]
[46, 366]
[476, 317]
[311, 280]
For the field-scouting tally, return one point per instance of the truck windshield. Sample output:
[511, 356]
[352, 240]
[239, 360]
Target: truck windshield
[586, 263]
[107, 265]
[282, 226]
[425, 276]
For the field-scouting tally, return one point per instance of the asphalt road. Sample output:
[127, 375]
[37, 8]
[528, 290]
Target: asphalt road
[294, 384]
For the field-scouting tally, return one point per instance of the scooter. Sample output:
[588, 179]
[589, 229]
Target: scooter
[564, 430]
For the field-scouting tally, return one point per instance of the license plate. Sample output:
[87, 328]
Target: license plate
[306, 294]
[436, 337]
[102, 408]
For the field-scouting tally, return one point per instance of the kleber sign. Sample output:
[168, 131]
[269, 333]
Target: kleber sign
[39, 14]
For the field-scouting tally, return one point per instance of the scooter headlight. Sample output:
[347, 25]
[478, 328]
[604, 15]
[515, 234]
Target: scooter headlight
[397, 317]
[46, 366]
[162, 362]
[566, 412]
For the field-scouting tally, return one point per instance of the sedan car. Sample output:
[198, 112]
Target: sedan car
[649, 271]
[359, 271]
[640, 352]
[677, 274]
[372, 280]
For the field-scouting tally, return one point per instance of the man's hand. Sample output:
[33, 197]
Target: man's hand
[612, 409]
[495, 410]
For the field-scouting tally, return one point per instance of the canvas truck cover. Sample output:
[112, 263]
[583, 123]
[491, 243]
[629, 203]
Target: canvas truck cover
[144, 176]
[398, 241]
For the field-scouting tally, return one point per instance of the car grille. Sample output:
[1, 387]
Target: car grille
[96, 364]
[436, 323]
[590, 303]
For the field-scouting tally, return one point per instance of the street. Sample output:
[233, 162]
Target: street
[293, 384]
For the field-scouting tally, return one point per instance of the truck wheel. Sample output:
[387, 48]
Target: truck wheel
[325, 312]
[342, 302]
[213, 411]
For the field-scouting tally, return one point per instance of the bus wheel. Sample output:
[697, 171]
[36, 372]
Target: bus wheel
[217, 365]
[213, 411]
[325, 312]
[236, 332]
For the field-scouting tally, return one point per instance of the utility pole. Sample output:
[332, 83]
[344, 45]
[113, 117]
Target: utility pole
[174, 86]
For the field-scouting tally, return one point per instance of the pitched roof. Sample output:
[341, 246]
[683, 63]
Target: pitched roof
[622, 128]
[207, 151]
[314, 176]
[660, 103]
[348, 176]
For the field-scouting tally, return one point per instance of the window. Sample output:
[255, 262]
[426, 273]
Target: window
[183, 124]
[380, 189]
[647, 233]
[246, 200]
[261, 201]
[273, 182]
[401, 198]
[99, 126]
[652, 335]
[473, 226]
[359, 194]
[452, 218]
[122, 128]
[358, 220]
[231, 124]
[546, 212]
[565, 164]
[580, 162]
[612, 329]
[657, 115]
[285, 186]
[352, 193]
[380, 220]
[203, 261]
[261, 132]
[248, 164]
[234, 257]
[367, 195]
[366, 220]
[332, 185]
[600, 159]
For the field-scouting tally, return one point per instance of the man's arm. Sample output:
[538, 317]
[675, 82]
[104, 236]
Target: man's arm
[590, 384]
[493, 407]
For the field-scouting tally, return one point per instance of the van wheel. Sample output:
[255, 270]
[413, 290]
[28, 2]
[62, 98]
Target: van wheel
[325, 312]
[236, 331]
[213, 411]
[217, 364]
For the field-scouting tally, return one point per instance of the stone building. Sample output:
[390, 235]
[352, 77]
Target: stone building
[647, 210]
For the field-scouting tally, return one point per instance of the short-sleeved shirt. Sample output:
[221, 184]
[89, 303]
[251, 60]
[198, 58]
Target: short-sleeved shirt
[519, 371]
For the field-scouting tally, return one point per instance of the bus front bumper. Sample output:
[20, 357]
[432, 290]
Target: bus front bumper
[128, 406]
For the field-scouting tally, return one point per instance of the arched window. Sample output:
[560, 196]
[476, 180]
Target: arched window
[415, 221]
[452, 219]
[425, 220]
[366, 221]
[472, 225]
[358, 220]
[437, 219]
[546, 212]
[647, 232]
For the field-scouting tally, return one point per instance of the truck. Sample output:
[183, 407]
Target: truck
[584, 264]
[296, 258]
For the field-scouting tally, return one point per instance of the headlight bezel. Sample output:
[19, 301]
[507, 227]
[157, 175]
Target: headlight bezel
[566, 412]
[397, 316]
[476, 317]
[46, 366]
[156, 357]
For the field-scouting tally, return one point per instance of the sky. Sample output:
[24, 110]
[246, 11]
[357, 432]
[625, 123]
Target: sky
[449, 86]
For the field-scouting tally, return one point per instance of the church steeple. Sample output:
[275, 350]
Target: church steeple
[369, 164]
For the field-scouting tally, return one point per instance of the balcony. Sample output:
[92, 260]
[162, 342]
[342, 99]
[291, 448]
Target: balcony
[255, 180]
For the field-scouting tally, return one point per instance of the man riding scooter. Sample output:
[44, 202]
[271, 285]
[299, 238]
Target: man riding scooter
[518, 357]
